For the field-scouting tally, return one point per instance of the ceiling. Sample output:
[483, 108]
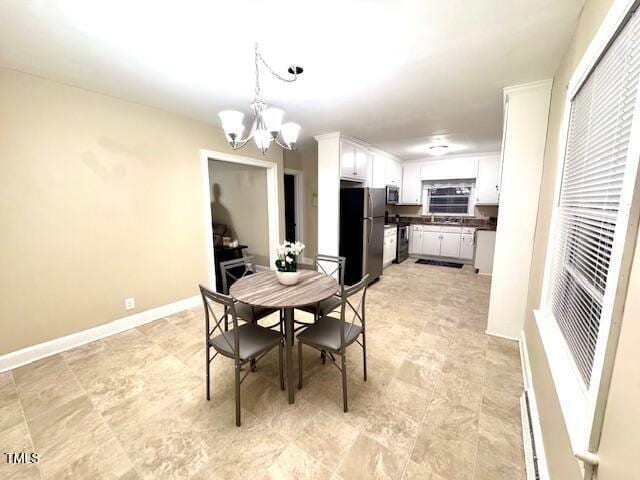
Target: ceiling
[398, 74]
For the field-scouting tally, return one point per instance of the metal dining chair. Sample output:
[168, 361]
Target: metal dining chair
[332, 335]
[234, 270]
[245, 343]
[332, 266]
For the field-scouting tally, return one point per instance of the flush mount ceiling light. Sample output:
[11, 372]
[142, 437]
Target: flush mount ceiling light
[267, 123]
[438, 149]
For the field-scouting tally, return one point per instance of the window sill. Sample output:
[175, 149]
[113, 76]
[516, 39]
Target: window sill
[571, 392]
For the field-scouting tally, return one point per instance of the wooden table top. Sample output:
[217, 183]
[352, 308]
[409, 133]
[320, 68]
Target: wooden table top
[262, 289]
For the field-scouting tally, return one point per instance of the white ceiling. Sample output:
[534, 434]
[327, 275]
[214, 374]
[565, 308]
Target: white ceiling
[394, 73]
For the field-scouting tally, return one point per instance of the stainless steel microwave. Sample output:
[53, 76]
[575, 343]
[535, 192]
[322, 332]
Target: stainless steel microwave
[393, 195]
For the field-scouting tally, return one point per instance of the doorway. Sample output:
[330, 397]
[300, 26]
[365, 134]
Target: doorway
[293, 205]
[208, 197]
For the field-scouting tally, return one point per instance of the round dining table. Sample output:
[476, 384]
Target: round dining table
[263, 289]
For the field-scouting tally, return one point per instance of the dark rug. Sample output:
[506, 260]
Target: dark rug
[439, 263]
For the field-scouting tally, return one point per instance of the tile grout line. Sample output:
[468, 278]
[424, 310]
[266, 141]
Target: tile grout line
[24, 418]
[115, 437]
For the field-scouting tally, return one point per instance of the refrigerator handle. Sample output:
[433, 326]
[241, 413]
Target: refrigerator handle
[370, 230]
[369, 212]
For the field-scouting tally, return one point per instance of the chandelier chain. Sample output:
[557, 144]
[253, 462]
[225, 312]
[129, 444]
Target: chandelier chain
[259, 57]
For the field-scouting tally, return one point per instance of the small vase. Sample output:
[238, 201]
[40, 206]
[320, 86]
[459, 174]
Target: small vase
[288, 278]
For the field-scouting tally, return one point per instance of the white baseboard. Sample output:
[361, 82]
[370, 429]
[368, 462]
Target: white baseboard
[30, 354]
[501, 336]
[533, 407]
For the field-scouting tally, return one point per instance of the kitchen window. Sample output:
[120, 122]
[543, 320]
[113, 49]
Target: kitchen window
[451, 198]
[594, 224]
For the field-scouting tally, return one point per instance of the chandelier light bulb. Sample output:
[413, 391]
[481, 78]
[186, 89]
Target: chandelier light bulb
[262, 138]
[232, 122]
[290, 132]
[272, 118]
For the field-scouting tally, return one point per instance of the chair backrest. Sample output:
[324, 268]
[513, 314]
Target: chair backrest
[233, 270]
[352, 307]
[215, 321]
[331, 265]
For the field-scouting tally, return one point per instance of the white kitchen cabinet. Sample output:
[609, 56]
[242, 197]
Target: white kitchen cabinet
[354, 161]
[467, 246]
[389, 248]
[411, 191]
[450, 245]
[393, 173]
[431, 242]
[415, 240]
[378, 171]
[488, 181]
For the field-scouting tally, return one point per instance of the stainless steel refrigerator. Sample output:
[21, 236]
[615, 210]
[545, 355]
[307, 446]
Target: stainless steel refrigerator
[362, 232]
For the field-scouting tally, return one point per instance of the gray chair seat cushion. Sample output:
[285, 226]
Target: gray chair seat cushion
[325, 306]
[254, 339]
[251, 314]
[325, 333]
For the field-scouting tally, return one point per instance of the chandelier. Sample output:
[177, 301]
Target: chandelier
[267, 123]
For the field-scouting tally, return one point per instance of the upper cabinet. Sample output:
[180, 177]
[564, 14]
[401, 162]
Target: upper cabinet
[488, 181]
[393, 173]
[384, 170]
[411, 191]
[354, 161]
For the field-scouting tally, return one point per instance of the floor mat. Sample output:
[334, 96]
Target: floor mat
[439, 263]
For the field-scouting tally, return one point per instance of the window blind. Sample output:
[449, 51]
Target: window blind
[594, 167]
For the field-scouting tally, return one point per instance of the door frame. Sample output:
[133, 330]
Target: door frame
[273, 216]
[299, 200]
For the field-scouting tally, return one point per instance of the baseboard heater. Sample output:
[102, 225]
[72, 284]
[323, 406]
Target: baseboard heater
[529, 443]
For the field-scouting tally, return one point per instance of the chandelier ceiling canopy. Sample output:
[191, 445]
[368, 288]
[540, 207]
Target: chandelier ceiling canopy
[267, 123]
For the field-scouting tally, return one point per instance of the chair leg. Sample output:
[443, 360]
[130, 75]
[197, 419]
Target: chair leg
[281, 363]
[364, 356]
[344, 382]
[238, 395]
[252, 363]
[208, 367]
[299, 364]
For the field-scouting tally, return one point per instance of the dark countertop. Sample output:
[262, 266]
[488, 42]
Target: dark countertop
[477, 223]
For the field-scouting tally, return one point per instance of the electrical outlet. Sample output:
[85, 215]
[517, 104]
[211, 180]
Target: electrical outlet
[130, 303]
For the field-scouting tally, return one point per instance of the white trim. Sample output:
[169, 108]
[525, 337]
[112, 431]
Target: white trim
[617, 14]
[582, 407]
[299, 187]
[497, 335]
[541, 455]
[273, 213]
[30, 354]
[506, 91]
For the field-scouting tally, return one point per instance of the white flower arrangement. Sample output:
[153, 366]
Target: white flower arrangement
[288, 256]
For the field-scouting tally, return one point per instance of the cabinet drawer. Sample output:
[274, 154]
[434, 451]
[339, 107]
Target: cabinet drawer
[432, 228]
[468, 230]
[447, 229]
[389, 232]
[416, 228]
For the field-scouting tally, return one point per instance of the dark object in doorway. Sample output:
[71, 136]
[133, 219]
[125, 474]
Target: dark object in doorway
[439, 263]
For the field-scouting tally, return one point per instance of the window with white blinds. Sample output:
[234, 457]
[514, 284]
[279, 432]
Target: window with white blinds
[592, 179]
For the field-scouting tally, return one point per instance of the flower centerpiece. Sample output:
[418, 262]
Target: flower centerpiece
[287, 262]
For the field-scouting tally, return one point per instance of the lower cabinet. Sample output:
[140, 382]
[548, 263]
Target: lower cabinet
[445, 241]
[431, 243]
[450, 245]
[466, 246]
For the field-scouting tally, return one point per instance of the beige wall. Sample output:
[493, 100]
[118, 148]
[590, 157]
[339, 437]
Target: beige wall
[239, 200]
[101, 200]
[306, 160]
[620, 441]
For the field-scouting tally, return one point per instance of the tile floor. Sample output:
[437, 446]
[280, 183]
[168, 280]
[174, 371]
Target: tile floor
[441, 402]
